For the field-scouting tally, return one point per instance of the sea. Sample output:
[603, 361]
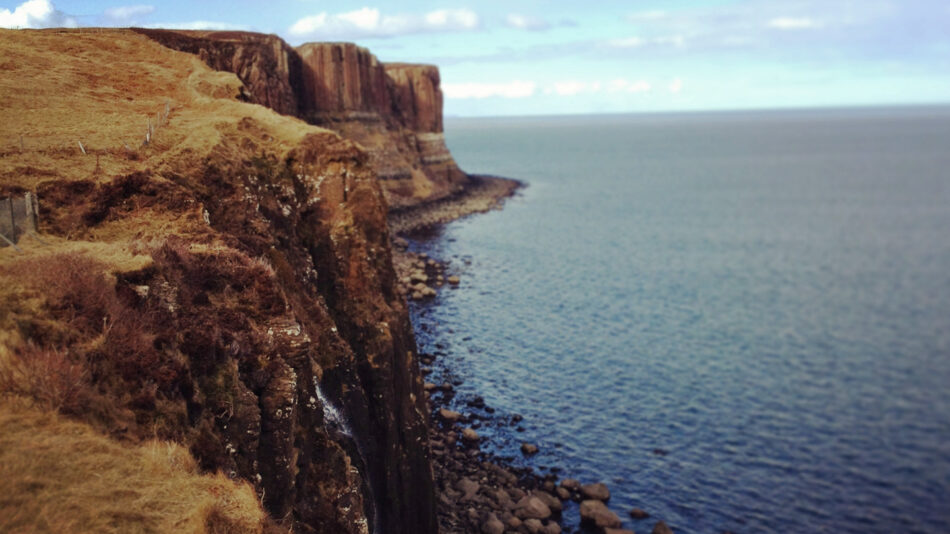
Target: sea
[740, 321]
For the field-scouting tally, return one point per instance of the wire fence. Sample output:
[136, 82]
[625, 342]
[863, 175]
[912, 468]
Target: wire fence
[65, 143]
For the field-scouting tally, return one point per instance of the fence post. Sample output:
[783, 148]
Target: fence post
[12, 219]
[31, 221]
[82, 148]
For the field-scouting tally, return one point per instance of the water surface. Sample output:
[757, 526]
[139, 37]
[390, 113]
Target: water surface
[765, 296]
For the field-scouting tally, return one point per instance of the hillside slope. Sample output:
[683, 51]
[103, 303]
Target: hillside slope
[227, 286]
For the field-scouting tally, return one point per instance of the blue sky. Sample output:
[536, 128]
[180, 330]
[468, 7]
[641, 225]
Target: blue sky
[555, 57]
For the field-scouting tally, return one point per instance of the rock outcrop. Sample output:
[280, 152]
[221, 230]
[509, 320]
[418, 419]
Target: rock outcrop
[393, 110]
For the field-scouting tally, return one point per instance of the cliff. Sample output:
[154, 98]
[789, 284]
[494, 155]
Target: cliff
[226, 285]
[393, 110]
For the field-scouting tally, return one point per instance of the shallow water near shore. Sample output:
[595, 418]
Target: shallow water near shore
[764, 297]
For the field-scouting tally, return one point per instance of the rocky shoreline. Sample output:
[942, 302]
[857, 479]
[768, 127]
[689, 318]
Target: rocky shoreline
[477, 491]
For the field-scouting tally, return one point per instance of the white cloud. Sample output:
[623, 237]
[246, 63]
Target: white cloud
[624, 86]
[370, 22]
[35, 14]
[675, 86]
[198, 25]
[514, 89]
[526, 22]
[573, 87]
[794, 23]
[677, 41]
[654, 14]
[125, 13]
[628, 42]
[576, 87]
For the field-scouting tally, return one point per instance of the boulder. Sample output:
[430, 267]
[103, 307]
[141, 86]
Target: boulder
[597, 491]
[454, 280]
[661, 528]
[534, 526]
[492, 525]
[470, 435]
[550, 500]
[468, 487]
[531, 507]
[596, 513]
[551, 528]
[637, 513]
[571, 484]
[449, 415]
[617, 531]
[529, 449]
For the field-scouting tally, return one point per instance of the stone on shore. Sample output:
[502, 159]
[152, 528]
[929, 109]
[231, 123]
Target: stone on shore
[571, 484]
[595, 512]
[617, 531]
[661, 528]
[534, 526]
[551, 501]
[551, 528]
[470, 435]
[531, 507]
[637, 513]
[529, 449]
[597, 491]
[493, 525]
[454, 280]
[449, 415]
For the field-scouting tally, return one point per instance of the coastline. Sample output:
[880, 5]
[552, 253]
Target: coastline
[479, 491]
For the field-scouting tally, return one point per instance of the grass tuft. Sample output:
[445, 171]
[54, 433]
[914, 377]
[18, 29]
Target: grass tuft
[60, 476]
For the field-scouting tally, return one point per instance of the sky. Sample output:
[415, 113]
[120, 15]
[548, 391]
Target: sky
[575, 56]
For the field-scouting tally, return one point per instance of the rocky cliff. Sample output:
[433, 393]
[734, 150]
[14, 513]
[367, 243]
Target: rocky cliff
[226, 285]
[393, 110]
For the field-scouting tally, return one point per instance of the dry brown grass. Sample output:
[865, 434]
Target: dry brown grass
[60, 476]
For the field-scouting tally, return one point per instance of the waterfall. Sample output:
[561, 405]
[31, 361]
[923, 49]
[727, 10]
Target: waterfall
[331, 414]
[338, 422]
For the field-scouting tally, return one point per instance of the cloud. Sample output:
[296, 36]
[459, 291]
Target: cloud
[653, 14]
[628, 42]
[577, 87]
[370, 22]
[526, 22]
[126, 13]
[677, 41]
[675, 86]
[199, 25]
[624, 86]
[794, 23]
[513, 89]
[35, 14]
[573, 87]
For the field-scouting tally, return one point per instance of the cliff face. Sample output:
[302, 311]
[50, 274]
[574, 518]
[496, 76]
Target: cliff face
[393, 110]
[417, 96]
[270, 69]
[228, 286]
[344, 82]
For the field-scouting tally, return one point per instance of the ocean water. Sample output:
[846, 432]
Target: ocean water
[739, 321]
